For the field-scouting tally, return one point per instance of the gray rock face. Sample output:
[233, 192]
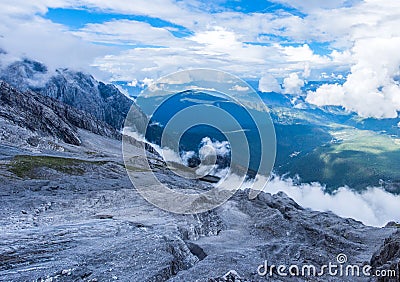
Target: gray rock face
[79, 90]
[25, 74]
[47, 116]
[387, 258]
[230, 276]
[275, 229]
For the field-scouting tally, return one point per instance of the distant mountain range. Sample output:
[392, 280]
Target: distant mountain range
[326, 145]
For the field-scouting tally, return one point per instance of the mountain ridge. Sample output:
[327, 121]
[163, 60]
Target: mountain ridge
[77, 89]
[47, 116]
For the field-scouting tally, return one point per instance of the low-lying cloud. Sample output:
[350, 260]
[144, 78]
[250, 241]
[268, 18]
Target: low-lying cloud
[374, 206]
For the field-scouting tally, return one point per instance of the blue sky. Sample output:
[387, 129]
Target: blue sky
[281, 43]
[78, 18]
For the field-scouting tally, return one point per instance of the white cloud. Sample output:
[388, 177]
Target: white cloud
[215, 47]
[147, 82]
[178, 12]
[126, 32]
[327, 94]
[24, 34]
[133, 83]
[216, 148]
[301, 53]
[219, 40]
[24, 9]
[268, 83]
[222, 40]
[310, 5]
[240, 88]
[307, 70]
[368, 31]
[292, 84]
[186, 156]
[371, 89]
[374, 206]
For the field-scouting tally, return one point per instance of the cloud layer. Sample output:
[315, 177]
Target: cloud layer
[298, 41]
[374, 206]
[372, 88]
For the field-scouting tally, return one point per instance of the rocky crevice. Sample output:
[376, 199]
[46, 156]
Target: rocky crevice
[205, 224]
[185, 253]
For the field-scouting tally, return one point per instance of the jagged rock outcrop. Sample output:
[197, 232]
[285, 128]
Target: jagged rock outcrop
[387, 258]
[48, 117]
[230, 276]
[76, 89]
[274, 228]
[207, 224]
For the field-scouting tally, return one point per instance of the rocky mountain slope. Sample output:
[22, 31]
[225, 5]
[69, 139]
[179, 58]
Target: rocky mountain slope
[387, 258]
[40, 116]
[77, 89]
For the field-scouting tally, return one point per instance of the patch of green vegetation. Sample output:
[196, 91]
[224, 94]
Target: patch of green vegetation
[298, 138]
[25, 166]
[359, 159]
